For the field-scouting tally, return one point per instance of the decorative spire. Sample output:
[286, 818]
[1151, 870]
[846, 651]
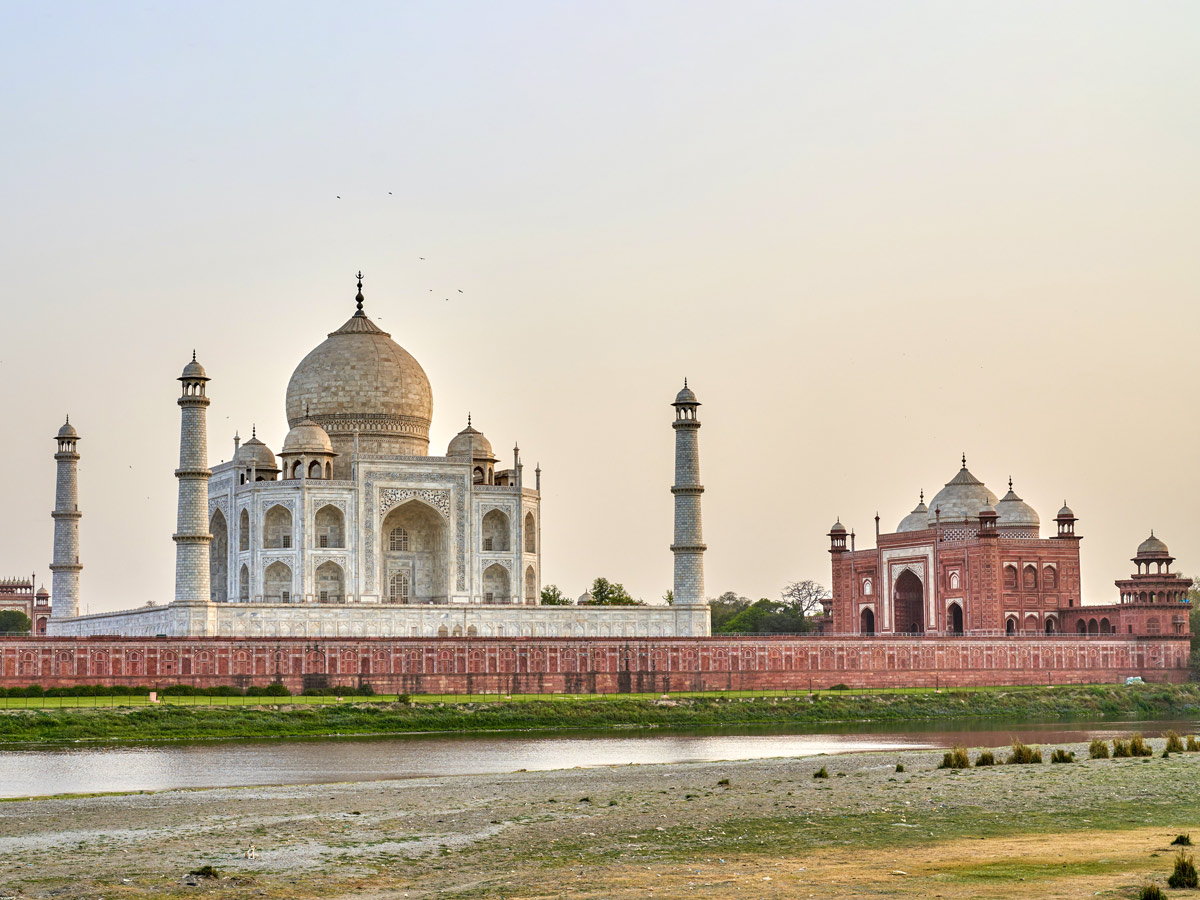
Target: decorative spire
[193, 355]
[253, 431]
[68, 418]
[468, 420]
[922, 495]
[685, 381]
[1010, 482]
[359, 296]
[964, 460]
[306, 410]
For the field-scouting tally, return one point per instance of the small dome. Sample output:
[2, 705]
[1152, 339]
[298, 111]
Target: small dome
[1152, 546]
[1065, 512]
[584, 599]
[838, 528]
[987, 510]
[68, 431]
[193, 371]
[307, 437]
[686, 395]
[255, 454]
[960, 500]
[42, 592]
[470, 444]
[917, 520]
[1015, 512]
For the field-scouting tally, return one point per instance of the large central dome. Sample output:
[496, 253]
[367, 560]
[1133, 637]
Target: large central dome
[359, 379]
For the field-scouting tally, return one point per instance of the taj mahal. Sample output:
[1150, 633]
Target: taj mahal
[352, 529]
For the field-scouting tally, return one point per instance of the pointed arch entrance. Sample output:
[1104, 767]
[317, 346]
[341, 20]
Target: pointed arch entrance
[955, 619]
[909, 603]
[414, 541]
[218, 558]
[866, 622]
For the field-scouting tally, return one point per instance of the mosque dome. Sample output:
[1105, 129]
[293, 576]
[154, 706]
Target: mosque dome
[358, 378]
[1066, 512]
[1014, 512]
[42, 592]
[961, 499]
[917, 520]
[1152, 546]
[68, 431]
[307, 437]
[470, 443]
[838, 528]
[255, 454]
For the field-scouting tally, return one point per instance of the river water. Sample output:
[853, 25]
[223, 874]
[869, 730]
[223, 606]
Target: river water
[58, 769]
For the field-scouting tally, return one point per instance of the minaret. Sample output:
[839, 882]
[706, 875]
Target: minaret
[191, 535]
[66, 515]
[688, 547]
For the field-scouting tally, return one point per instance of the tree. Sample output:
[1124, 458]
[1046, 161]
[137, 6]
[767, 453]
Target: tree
[609, 593]
[669, 597]
[767, 617]
[13, 621]
[806, 596]
[723, 608]
[1194, 624]
[552, 596]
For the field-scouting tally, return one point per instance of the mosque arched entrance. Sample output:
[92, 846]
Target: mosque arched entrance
[909, 604]
[956, 619]
[866, 622]
[415, 542]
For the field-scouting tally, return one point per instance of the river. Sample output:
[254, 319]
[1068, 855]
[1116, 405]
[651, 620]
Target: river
[88, 768]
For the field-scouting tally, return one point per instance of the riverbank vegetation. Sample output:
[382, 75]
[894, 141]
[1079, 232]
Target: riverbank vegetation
[315, 716]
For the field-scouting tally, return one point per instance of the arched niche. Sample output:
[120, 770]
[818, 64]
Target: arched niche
[421, 538]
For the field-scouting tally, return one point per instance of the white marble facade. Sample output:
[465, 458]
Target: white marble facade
[353, 529]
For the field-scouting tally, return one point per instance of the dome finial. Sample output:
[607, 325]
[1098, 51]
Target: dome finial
[1010, 482]
[468, 420]
[922, 495]
[68, 418]
[306, 410]
[964, 460]
[358, 298]
[193, 355]
[685, 381]
[253, 431]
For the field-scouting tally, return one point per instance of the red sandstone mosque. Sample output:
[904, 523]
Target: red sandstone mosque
[971, 564]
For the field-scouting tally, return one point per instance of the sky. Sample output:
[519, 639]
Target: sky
[873, 236]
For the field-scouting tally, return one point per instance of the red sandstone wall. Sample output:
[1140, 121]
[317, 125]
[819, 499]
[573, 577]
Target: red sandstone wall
[587, 665]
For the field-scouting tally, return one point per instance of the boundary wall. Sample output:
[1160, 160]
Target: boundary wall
[592, 665]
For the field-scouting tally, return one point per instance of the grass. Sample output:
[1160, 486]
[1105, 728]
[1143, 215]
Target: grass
[1151, 892]
[1184, 874]
[956, 758]
[821, 773]
[1182, 840]
[1138, 746]
[1098, 749]
[1062, 756]
[192, 717]
[1022, 754]
[985, 758]
[1174, 742]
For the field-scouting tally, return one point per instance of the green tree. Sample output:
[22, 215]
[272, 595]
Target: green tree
[669, 597]
[552, 596]
[722, 609]
[767, 617]
[13, 621]
[609, 593]
[1194, 624]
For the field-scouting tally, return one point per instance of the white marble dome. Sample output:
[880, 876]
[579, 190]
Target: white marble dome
[307, 437]
[1014, 512]
[917, 520]
[254, 453]
[960, 500]
[471, 443]
[359, 378]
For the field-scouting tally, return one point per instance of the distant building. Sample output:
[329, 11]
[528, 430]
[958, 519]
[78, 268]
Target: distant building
[969, 563]
[18, 594]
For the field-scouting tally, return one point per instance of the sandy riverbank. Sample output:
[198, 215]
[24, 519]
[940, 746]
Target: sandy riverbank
[672, 830]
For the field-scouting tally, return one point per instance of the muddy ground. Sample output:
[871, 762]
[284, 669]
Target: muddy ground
[763, 828]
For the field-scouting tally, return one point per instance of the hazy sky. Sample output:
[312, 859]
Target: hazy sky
[873, 236]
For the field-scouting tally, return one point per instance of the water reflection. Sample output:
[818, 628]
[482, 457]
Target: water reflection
[52, 770]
